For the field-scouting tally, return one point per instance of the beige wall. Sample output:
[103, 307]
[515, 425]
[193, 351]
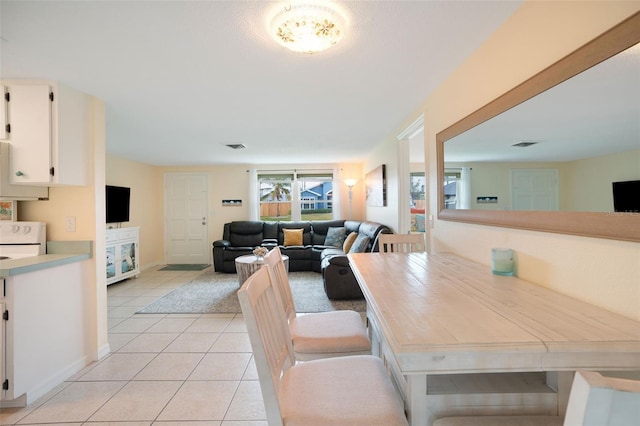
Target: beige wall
[590, 180]
[225, 182]
[146, 210]
[602, 272]
[584, 185]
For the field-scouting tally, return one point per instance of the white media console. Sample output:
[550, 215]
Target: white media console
[122, 253]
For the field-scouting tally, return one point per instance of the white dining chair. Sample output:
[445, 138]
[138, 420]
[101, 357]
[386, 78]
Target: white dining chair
[352, 390]
[401, 243]
[321, 334]
[594, 400]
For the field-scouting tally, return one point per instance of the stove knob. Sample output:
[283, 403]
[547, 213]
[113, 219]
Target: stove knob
[15, 228]
[26, 229]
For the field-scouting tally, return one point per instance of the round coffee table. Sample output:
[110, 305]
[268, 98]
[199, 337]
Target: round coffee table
[248, 264]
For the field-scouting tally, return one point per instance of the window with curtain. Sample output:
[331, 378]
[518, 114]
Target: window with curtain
[417, 199]
[295, 195]
[451, 178]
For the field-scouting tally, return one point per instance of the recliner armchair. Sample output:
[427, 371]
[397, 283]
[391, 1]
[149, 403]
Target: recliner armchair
[339, 281]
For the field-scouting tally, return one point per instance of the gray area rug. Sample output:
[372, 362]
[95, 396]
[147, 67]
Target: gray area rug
[215, 292]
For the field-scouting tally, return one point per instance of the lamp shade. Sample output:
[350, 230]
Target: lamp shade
[350, 182]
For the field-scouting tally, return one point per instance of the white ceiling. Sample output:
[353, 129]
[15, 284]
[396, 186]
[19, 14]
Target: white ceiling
[180, 79]
[595, 113]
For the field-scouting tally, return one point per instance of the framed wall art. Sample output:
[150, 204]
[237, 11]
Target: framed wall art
[8, 210]
[376, 184]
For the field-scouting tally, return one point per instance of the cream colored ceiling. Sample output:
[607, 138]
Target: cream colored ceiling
[180, 79]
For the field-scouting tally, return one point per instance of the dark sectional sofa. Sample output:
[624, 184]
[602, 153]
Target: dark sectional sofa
[241, 237]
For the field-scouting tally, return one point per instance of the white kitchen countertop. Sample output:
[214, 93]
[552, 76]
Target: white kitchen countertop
[58, 253]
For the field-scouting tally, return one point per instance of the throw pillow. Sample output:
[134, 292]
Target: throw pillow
[292, 237]
[348, 242]
[335, 237]
[360, 244]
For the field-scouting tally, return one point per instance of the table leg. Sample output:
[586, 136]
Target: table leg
[565, 380]
[417, 399]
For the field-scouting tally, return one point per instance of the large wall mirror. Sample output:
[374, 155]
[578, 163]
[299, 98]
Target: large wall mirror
[544, 156]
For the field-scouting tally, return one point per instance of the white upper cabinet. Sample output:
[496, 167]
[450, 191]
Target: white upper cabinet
[9, 192]
[3, 112]
[48, 132]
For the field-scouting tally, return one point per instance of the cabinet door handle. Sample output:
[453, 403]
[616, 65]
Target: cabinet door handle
[19, 173]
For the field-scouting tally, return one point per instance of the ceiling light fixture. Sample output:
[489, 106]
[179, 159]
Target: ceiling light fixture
[308, 27]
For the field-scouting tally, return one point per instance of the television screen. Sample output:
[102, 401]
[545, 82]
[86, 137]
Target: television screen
[626, 196]
[117, 201]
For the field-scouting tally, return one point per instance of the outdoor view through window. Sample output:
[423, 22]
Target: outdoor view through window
[296, 196]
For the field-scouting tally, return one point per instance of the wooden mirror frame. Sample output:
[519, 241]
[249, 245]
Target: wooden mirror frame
[617, 226]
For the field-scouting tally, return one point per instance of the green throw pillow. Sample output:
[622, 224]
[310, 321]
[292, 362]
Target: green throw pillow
[335, 237]
[360, 244]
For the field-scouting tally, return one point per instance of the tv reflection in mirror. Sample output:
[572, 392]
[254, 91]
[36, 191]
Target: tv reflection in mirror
[117, 203]
[626, 196]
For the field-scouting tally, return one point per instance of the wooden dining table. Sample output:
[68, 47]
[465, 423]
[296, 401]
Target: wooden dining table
[459, 340]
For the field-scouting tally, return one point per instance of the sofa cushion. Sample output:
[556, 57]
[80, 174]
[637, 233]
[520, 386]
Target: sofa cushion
[320, 228]
[245, 233]
[292, 237]
[360, 244]
[306, 231]
[335, 237]
[348, 241]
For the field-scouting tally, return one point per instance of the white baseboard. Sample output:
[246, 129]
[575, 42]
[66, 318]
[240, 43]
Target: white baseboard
[20, 401]
[56, 379]
[148, 266]
[103, 351]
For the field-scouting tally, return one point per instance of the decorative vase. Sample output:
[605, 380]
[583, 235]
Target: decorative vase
[502, 261]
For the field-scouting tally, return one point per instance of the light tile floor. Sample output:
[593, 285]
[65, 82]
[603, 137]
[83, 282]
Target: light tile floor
[163, 370]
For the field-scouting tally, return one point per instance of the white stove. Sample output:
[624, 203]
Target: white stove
[22, 239]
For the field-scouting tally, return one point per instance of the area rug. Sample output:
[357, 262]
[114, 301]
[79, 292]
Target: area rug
[215, 292]
[184, 267]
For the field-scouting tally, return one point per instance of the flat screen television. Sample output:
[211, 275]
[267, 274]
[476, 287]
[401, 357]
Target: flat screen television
[626, 196]
[117, 201]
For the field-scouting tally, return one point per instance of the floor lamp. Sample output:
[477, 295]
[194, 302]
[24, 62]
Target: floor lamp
[350, 183]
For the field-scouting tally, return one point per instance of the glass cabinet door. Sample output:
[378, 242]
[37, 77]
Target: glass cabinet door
[128, 257]
[111, 262]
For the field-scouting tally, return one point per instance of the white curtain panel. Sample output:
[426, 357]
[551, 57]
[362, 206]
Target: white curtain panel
[253, 203]
[337, 191]
[295, 201]
[463, 189]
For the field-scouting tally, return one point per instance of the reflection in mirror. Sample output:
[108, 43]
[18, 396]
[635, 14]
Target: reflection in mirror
[560, 150]
[417, 183]
[544, 156]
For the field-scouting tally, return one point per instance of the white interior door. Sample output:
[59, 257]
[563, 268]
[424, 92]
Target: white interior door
[186, 203]
[534, 189]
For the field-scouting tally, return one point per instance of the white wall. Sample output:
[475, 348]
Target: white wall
[86, 204]
[386, 153]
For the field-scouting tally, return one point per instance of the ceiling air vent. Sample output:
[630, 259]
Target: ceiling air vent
[236, 146]
[524, 144]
